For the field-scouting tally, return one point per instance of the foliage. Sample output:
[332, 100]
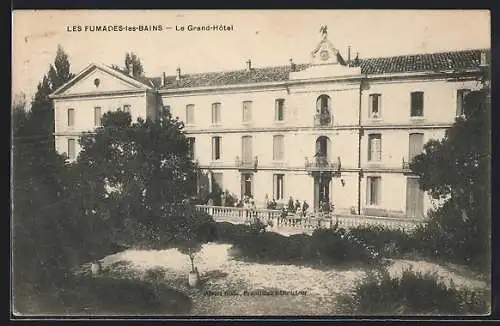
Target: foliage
[104, 295]
[388, 242]
[330, 246]
[132, 61]
[43, 233]
[455, 171]
[142, 167]
[414, 293]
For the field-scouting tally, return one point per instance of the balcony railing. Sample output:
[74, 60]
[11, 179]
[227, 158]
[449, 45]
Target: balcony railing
[247, 164]
[323, 120]
[321, 163]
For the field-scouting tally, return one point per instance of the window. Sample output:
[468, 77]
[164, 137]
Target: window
[416, 145]
[216, 148]
[373, 191]
[461, 93]
[374, 106]
[247, 111]
[71, 149]
[190, 114]
[97, 116]
[374, 147]
[414, 199]
[246, 148]
[71, 117]
[323, 115]
[191, 144]
[279, 110]
[278, 186]
[278, 147]
[126, 108]
[217, 181]
[417, 104]
[215, 113]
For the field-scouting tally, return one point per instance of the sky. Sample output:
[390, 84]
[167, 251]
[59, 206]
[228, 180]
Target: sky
[268, 38]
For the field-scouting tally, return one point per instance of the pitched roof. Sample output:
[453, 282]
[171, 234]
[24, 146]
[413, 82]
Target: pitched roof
[453, 60]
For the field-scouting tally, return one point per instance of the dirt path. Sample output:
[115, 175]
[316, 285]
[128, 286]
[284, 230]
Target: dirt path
[225, 280]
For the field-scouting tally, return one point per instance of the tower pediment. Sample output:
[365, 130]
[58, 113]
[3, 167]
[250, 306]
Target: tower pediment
[326, 62]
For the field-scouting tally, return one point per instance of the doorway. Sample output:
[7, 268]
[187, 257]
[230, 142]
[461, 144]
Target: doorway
[246, 184]
[321, 190]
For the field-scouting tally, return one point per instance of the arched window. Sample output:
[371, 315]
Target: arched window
[322, 149]
[323, 110]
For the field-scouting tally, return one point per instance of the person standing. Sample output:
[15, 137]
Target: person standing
[305, 206]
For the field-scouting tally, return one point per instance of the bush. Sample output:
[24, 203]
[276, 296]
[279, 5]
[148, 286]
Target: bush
[389, 243]
[414, 293]
[324, 246]
[109, 296]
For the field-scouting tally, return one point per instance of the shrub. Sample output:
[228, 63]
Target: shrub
[324, 246]
[414, 293]
[389, 243]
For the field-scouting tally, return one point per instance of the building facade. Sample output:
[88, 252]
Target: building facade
[335, 129]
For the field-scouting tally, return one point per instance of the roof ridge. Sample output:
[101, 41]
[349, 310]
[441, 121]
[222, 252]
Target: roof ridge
[308, 64]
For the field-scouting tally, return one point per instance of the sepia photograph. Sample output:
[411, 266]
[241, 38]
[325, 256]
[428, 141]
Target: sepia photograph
[239, 163]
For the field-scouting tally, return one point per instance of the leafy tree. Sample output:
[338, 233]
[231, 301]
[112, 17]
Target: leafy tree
[141, 169]
[455, 171]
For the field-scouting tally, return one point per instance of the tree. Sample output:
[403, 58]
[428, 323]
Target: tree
[455, 171]
[143, 167]
[41, 108]
[132, 61]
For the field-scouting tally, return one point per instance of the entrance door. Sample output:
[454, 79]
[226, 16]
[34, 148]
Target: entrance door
[321, 190]
[246, 184]
[414, 199]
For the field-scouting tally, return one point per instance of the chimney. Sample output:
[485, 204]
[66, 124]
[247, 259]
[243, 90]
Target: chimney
[292, 65]
[131, 70]
[249, 64]
[178, 78]
[163, 79]
[349, 55]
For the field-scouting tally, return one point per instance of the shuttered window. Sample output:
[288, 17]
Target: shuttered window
[278, 147]
[247, 111]
[246, 148]
[190, 114]
[374, 147]
[97, 116]
[216, 113]
[414, 199]
[373, 190]
[416, 143]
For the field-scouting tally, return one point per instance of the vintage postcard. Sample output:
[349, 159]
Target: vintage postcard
[251, 163]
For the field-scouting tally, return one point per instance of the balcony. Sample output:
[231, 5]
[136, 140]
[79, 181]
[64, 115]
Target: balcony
[247, 164]
[405, 166]
[321, 164]
[323, 120]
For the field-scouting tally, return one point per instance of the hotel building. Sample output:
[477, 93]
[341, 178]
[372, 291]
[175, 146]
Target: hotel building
[336, 128]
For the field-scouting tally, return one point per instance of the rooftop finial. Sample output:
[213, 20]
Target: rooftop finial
[324, 31]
